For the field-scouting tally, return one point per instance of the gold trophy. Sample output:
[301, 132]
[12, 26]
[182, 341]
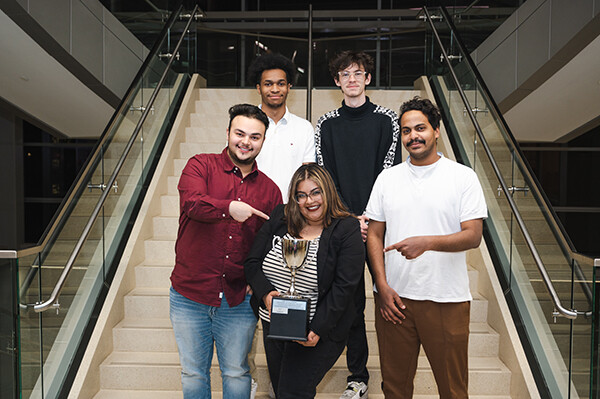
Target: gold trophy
[290, 311]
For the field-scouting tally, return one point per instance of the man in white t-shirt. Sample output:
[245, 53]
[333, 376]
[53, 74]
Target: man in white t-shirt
[424, 214]
[290, 140]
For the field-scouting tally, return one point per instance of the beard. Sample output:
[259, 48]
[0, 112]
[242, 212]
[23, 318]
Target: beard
[238, 161]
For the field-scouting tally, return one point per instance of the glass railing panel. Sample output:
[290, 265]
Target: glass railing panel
[97, 255]
[57, 335]
[559, 359]
[533, 302]
[582, 351]
[594, 365]
[571, 338]
[470, 152]
[8, 326]
[29, 330]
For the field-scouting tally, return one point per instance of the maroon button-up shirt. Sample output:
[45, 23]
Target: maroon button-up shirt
[211, 246]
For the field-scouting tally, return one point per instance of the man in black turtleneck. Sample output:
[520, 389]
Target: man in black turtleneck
[355, 143]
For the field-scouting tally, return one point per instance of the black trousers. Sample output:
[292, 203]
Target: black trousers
[358, 351]
[296, 370]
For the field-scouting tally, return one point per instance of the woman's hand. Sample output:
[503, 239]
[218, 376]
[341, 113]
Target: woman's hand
[364, 226]
[311, 340]
[268, 300]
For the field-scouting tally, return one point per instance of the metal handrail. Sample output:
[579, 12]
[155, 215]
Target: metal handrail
[49, 233]
[566, 245]
[40, 307]
[559, 309]
[68, 201]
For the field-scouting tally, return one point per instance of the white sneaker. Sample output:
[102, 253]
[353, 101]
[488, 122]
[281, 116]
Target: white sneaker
[355, 390]
[253, 389]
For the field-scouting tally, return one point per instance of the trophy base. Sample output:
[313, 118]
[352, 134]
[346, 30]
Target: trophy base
[289, 319]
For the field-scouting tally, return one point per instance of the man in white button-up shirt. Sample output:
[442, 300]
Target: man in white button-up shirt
[289, 141]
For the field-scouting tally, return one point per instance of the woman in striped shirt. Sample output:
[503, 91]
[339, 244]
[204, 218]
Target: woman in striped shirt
[330, 276]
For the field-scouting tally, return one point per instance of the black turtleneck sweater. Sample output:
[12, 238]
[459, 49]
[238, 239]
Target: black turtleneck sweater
[355, 145]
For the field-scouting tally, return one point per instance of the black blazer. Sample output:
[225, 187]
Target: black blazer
[340, 265]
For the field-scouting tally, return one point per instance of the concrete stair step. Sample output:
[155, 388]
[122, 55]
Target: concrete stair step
[49, 277]
[145, 394]
[131, 166]
[153, 275]
[550, 254]
[62, 249]
[115, 149]
[86, 203]
[159, 252]
[484, 396]
[154, 303]
[122, 394]
[228, 95]
[219, 106]
[178, 165]
[172, 182]
[74, 227]
[169, 205]
[139, 335]
[165, 227]
[146, 370]
[206, 133]
[156, 335]
[189, 149]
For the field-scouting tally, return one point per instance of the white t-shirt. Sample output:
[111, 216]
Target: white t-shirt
[288, 144]
[427, 200]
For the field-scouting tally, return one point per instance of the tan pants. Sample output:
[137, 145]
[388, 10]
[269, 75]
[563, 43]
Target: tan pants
[443, 330]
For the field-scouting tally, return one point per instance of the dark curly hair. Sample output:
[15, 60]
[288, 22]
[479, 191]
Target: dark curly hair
[426, 107]
[270, 61]
[346, 58]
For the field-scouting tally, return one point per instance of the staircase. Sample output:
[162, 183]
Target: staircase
[132, 353]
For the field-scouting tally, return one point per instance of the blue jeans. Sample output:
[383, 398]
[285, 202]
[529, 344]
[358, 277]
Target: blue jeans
[197, 327]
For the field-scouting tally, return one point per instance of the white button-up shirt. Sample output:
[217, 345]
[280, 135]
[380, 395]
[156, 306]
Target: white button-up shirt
[288, 144]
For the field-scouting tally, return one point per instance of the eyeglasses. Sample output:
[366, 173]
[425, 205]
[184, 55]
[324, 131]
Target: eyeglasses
[358, 75]
[302, 197]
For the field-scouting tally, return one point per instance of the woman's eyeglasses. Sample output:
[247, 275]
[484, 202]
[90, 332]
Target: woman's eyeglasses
[302, 197]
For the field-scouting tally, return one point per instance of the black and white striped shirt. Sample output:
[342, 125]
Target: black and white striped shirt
[280, 276]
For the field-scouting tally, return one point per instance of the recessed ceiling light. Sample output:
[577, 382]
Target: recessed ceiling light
[231, 48]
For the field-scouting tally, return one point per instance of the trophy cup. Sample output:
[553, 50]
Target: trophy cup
[290, 311]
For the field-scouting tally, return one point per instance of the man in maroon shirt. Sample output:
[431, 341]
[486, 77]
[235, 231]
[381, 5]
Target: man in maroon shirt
[224, 200]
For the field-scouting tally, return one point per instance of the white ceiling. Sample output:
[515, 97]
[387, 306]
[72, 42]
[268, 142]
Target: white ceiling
[36, 83]
[566, 101]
